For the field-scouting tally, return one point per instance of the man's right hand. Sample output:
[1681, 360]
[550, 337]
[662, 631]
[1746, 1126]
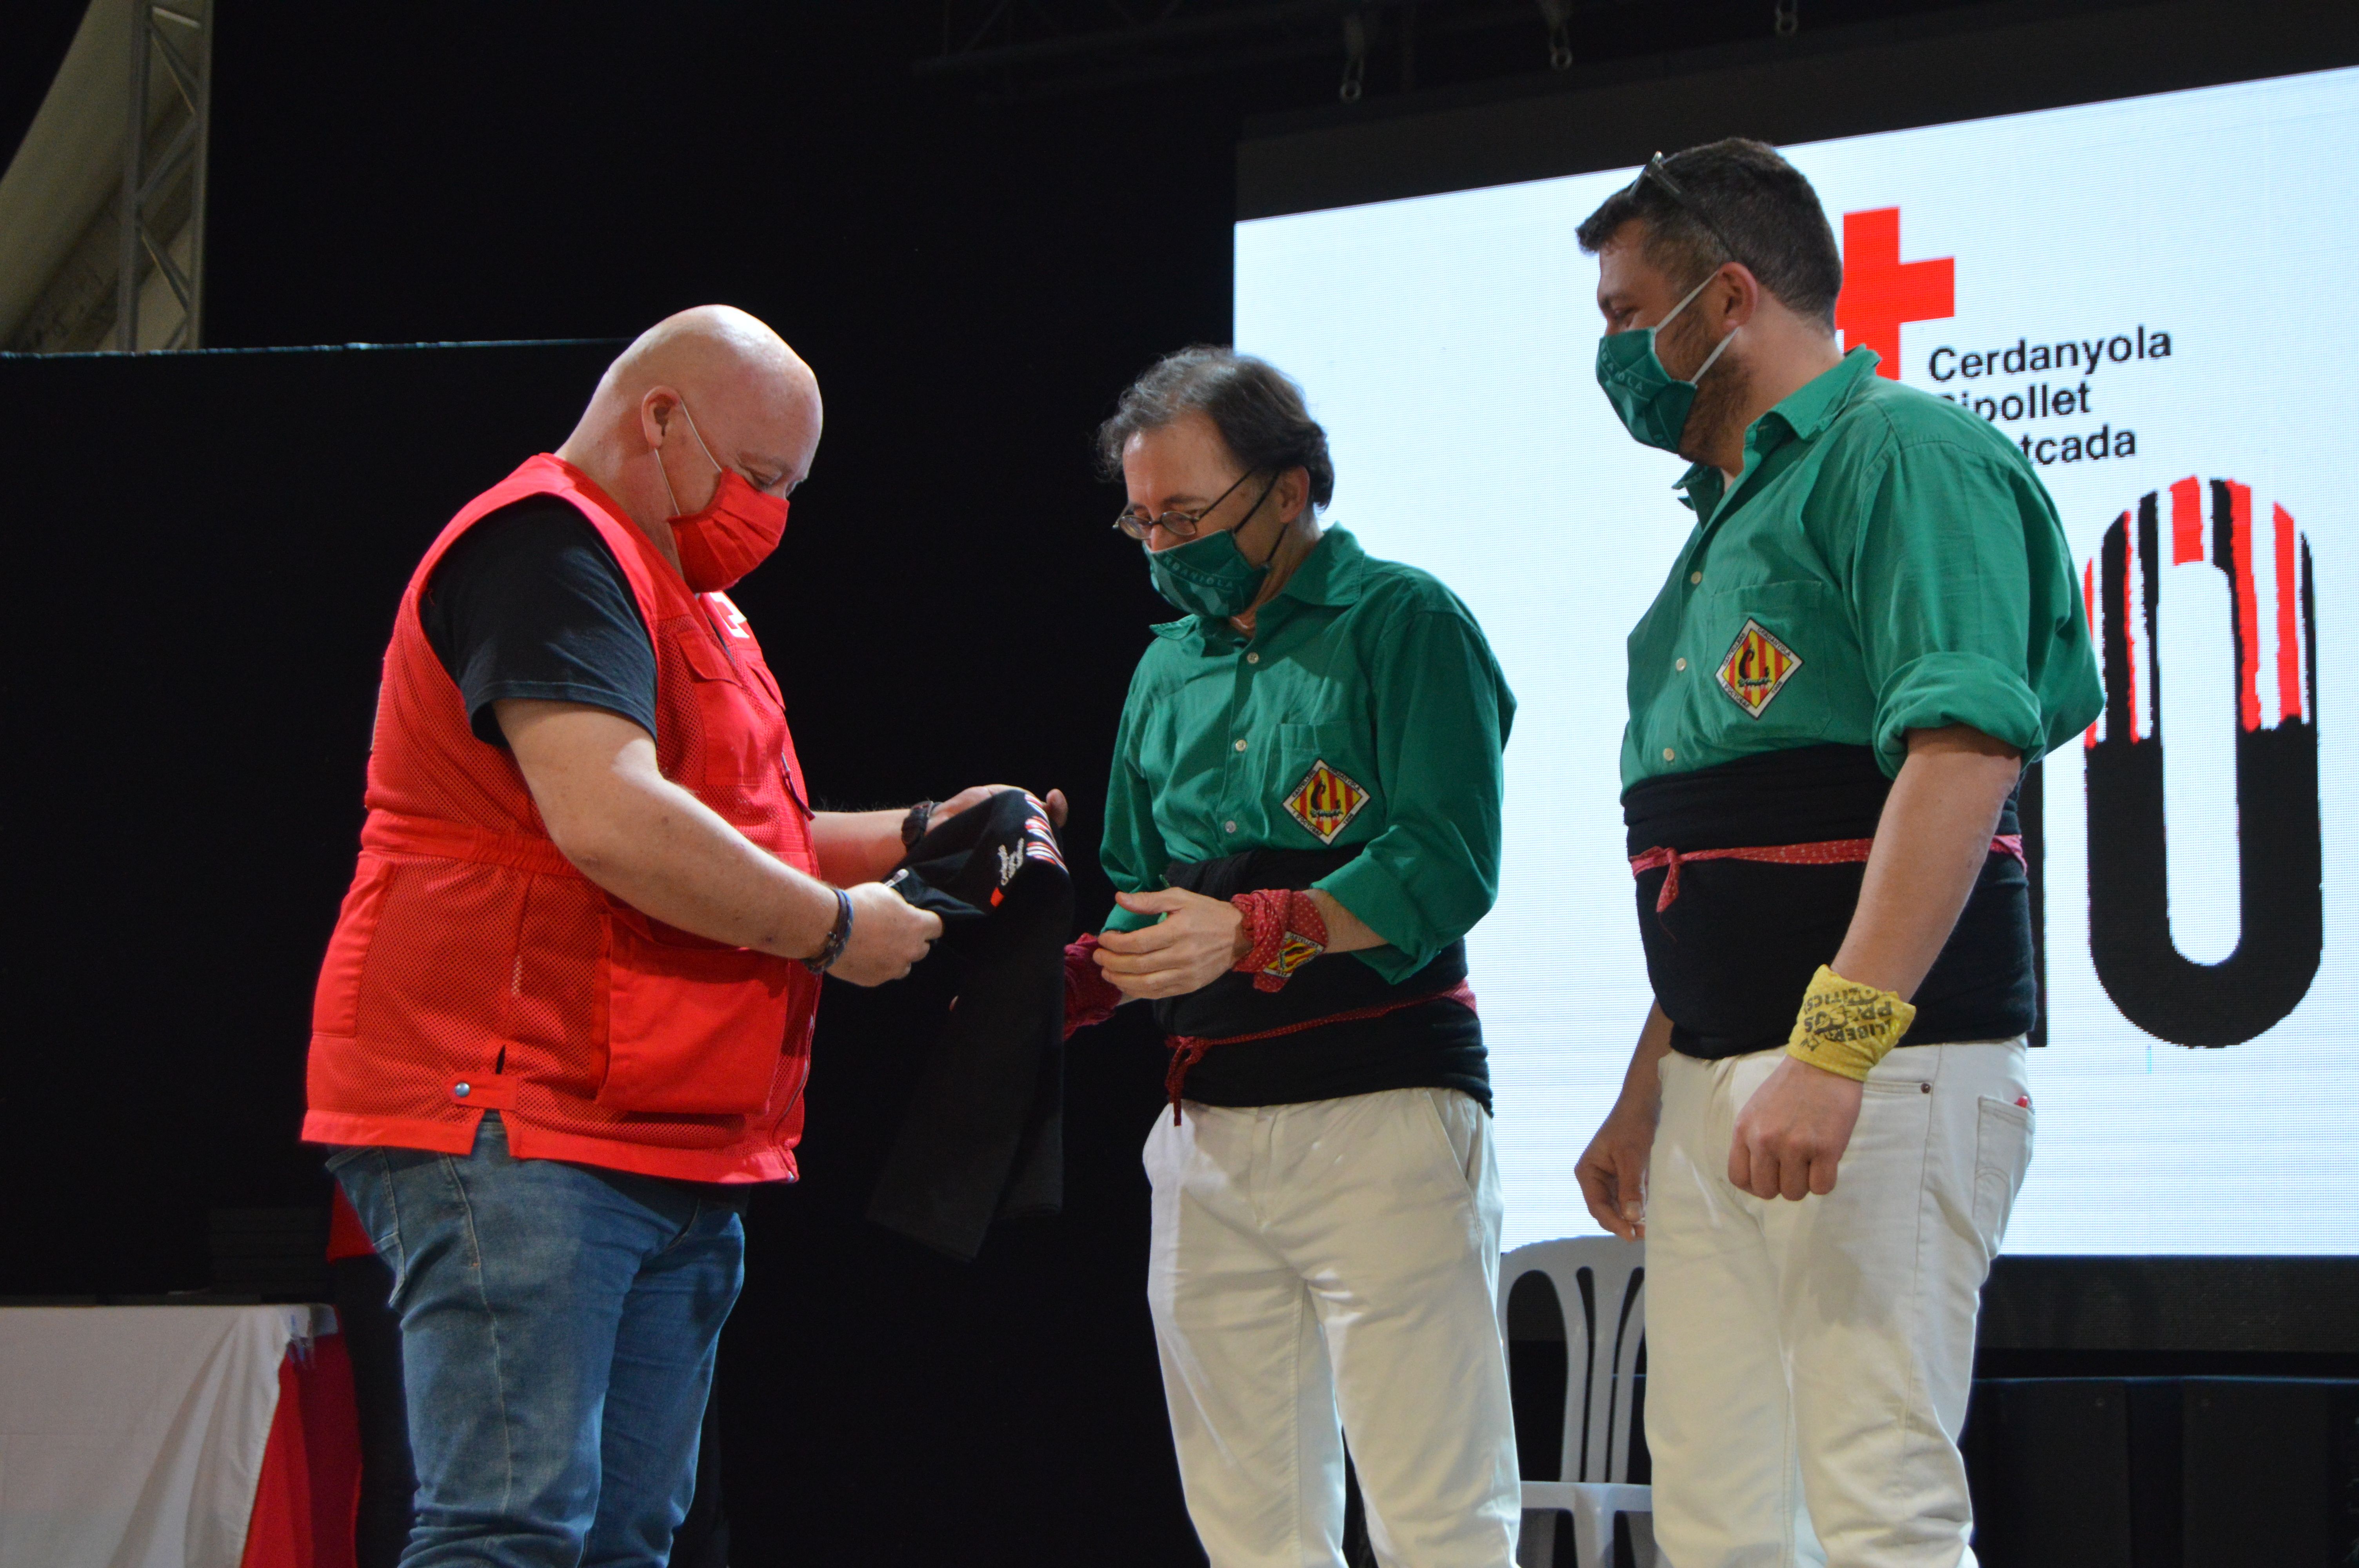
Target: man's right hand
[1613, 1169]
[888, 936]
[1198, 940]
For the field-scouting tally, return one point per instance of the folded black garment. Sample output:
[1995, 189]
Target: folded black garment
[983, 1138]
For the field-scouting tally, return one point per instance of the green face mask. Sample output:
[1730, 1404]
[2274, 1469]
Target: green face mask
[1208, 577]
[1653, 403]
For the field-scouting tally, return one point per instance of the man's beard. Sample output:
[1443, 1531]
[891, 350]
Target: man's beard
[1720, 397]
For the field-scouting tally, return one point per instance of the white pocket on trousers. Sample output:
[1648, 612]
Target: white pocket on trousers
[1447, 1111]
[2002, 1155]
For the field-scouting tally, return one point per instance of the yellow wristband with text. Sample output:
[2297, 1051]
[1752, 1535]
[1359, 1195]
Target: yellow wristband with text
[1845, 1027]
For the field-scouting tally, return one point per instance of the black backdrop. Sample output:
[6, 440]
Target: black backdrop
[216, 546]
[202, 610]
[213, 546]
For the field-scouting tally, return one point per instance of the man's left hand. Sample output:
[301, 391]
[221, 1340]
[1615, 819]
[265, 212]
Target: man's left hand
[1793, 1131]
[967, 798]
[1196, 943]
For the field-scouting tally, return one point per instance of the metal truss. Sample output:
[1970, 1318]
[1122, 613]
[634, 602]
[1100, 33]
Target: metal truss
[163, 204]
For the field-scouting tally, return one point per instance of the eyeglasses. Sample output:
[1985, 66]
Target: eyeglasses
[1183, 524]
[1658, 170]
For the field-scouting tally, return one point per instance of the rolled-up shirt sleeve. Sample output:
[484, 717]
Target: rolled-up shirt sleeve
[1442, 713]
[1940, 591]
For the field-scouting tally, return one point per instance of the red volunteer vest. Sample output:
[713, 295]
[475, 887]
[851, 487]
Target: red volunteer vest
[472, 968]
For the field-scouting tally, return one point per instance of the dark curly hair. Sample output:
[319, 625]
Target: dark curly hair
[1257, 407]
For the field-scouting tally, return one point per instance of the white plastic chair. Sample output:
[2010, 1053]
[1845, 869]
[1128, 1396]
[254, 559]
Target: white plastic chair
[1599, 1289]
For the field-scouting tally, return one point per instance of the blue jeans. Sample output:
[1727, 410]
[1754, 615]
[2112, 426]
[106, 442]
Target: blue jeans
[557, 1330]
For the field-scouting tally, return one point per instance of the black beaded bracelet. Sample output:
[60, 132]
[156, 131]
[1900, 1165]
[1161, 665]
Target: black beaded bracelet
[819, 963]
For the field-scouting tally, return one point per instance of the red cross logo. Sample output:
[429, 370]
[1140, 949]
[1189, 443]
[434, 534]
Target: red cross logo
[1880, 291]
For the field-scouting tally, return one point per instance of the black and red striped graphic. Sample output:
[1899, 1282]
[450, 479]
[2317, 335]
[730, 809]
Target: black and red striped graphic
[2273, 647]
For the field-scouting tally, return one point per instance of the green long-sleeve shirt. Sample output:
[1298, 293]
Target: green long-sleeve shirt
[1367, 711]
[1885, 562]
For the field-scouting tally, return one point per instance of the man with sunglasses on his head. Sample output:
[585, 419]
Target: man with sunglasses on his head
[1873, 627]
[1303, 822]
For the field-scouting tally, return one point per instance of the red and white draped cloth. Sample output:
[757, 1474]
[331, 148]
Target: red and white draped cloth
[176, 1437]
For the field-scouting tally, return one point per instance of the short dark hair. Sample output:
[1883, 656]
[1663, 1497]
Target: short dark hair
[1737, 200]
[1257, 407]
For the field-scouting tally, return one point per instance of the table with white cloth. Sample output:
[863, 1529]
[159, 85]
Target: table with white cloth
[176, 1437]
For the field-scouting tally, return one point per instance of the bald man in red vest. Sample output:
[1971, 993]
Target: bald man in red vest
[565, 1019]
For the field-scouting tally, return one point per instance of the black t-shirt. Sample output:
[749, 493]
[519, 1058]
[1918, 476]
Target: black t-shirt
[531, 604]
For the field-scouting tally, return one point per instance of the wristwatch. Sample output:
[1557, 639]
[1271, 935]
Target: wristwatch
[914, 825]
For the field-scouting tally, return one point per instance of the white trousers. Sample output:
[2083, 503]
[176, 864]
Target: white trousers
[1808, 1362]
[1337, 1258]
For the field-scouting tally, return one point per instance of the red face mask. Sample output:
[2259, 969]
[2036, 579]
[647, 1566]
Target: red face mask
[733, 534]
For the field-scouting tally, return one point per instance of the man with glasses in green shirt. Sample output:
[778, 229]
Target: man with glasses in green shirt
[1873, 627]
[1302, 825]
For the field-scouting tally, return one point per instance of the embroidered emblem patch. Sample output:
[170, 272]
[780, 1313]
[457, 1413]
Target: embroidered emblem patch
[1756, 668]
[731, 616]
[1294, 952]
[1325, 802]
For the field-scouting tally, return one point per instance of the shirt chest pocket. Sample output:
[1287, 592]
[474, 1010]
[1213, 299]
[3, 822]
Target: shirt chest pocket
[1765, 664]
[734, 733]
[1321, 781]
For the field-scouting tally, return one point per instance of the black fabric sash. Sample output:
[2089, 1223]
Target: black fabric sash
[1230, 1006]
[1731, 958]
